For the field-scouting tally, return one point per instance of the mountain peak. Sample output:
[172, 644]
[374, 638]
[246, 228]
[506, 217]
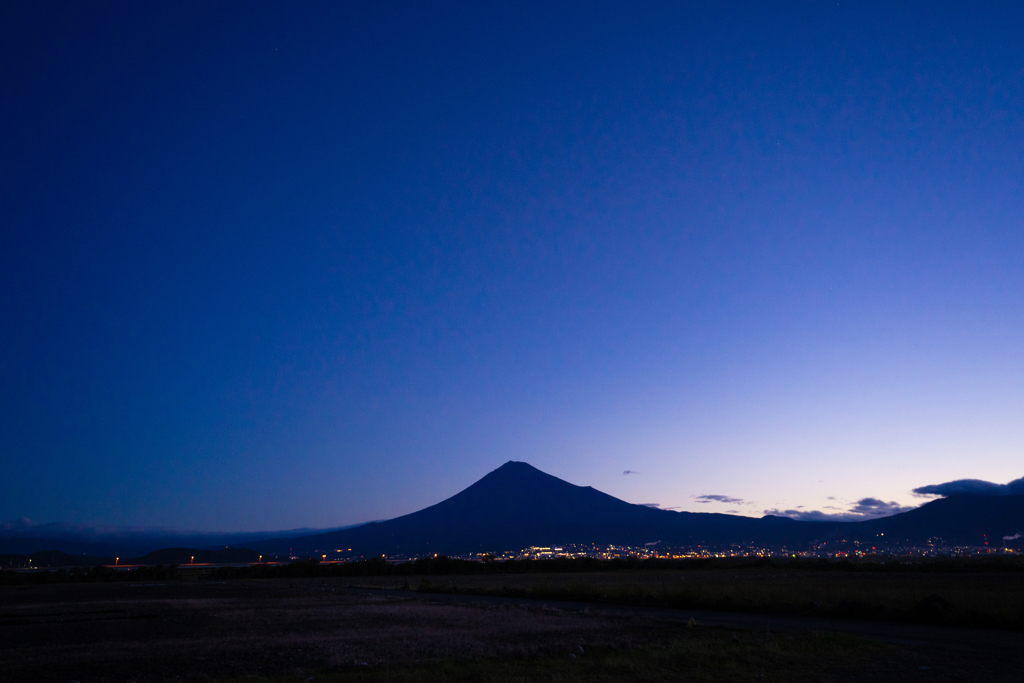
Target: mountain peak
[520, 476]
[516, 465]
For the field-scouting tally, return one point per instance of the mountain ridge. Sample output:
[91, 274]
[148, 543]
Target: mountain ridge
[517, 505]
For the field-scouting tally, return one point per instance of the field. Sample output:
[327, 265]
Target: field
[985, 599]
[332, 630]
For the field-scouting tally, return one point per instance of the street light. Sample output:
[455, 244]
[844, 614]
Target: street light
[116, 559]
[193, 560]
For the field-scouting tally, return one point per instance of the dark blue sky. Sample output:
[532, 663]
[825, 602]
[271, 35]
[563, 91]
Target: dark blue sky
[268, 266]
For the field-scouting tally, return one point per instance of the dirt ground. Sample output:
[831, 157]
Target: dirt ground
[321, 629]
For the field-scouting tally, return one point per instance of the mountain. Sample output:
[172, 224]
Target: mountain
[517, 506]
[960, 519]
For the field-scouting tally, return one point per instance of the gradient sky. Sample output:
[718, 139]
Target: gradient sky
[309, 264]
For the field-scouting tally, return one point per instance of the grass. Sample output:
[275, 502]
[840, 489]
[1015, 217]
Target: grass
[291, 631]
[991, 600]
[702, 655]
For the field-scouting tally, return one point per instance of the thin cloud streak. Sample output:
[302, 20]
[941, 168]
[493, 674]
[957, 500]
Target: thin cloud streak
[718, 498]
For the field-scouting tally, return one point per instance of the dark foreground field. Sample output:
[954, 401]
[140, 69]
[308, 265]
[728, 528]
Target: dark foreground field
[987, 599]
[324, 630]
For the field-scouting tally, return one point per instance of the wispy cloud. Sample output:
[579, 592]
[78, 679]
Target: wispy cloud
[865, 508]
[628, 472]
[718, 498]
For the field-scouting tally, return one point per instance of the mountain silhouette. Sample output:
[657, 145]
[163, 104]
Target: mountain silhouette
[962, 519]
[517, 506]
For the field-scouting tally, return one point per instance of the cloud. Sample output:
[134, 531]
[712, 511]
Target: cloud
[975, 487]
[872, 508]
[718, 498]
[865, 508]
[628, 472]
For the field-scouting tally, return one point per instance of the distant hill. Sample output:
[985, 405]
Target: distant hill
[517, 506]
[26, 545]
[963, 519]
[77, 540]
[186, 555]
[51, 558]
